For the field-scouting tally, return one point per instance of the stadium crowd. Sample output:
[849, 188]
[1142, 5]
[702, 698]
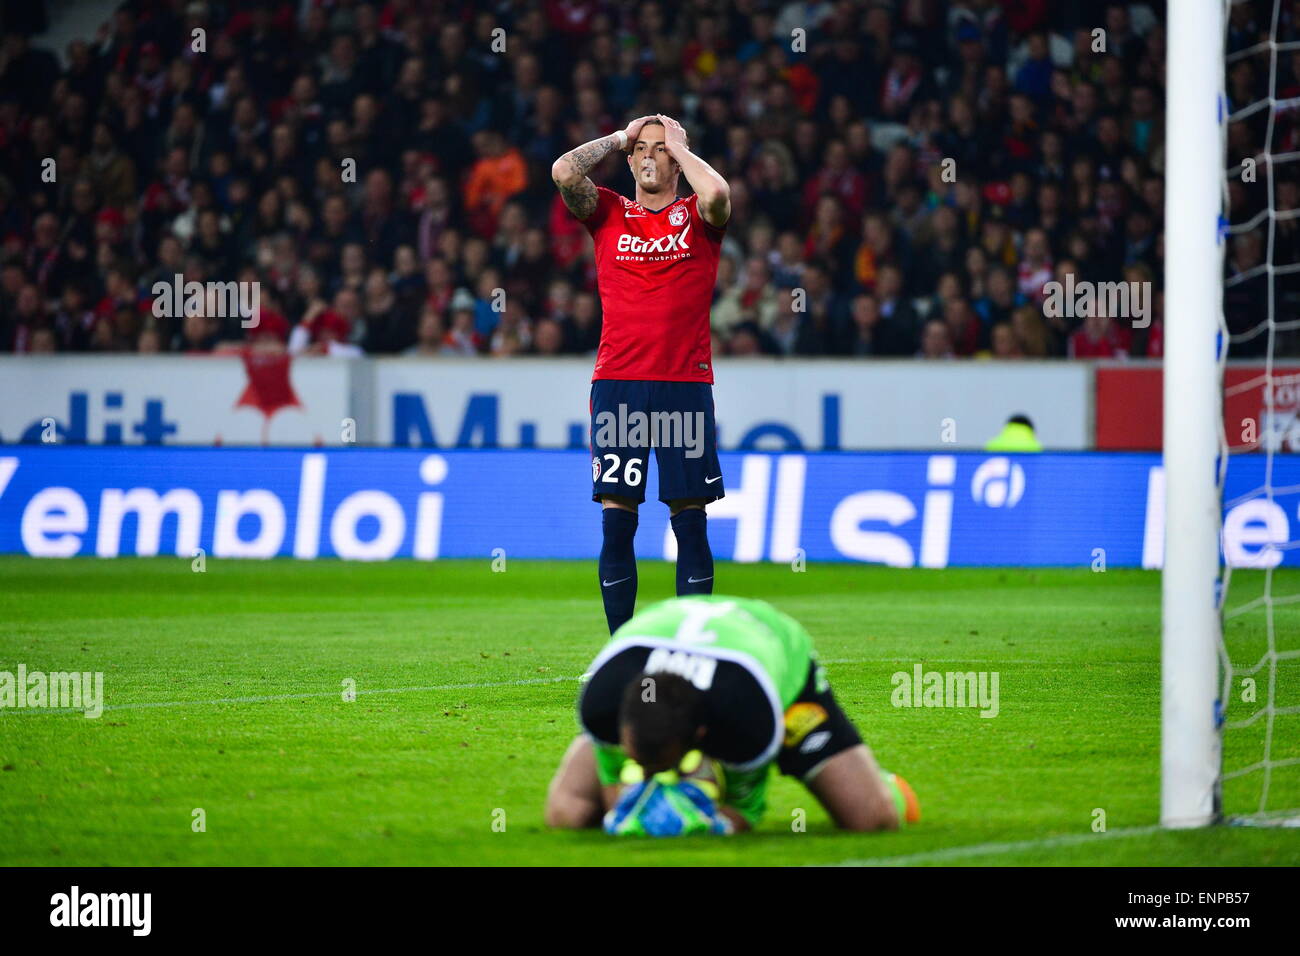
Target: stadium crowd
[906, 177]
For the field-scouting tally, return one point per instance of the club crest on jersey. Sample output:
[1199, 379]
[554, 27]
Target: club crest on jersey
[595, 468]
[677, 215]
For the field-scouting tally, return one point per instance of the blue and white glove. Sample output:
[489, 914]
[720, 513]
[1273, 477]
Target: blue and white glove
[661, 808]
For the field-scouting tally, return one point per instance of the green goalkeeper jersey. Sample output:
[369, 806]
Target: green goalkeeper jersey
[750, 661]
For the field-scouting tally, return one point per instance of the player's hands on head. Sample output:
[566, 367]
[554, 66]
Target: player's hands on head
[674, 135]
[633, 130]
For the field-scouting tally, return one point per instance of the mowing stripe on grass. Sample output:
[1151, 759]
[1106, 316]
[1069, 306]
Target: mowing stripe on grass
[271, 698]
[991, 849]
[303, 695]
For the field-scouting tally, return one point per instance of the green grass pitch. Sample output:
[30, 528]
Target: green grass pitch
[224, 693]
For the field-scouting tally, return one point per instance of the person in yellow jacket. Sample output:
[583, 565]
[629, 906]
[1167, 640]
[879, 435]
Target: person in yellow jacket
[1016, 435]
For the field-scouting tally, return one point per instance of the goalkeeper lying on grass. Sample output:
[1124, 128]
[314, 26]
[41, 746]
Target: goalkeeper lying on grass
[685, 711]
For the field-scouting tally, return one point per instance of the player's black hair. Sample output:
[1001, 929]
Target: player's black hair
[1019, 419]
[661, 711]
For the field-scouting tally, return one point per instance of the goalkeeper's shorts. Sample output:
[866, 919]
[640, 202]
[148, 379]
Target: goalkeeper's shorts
[816, 729]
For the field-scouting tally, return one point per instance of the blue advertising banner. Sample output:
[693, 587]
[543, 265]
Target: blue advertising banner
[902, 509]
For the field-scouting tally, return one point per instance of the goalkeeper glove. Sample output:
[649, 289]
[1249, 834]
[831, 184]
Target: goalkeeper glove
[658, 808]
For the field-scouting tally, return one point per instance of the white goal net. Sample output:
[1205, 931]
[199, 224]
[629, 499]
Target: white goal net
[1258, 708]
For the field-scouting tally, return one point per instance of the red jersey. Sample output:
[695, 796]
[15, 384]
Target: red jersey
[1111, 345]
[656, 271]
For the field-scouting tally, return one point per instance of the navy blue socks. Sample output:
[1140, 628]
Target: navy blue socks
[618, 566]
[618, 560]
[694, 559]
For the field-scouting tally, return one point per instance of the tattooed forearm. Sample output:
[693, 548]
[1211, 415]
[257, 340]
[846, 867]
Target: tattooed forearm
[581, 199]
[570, 174]
[588, 155]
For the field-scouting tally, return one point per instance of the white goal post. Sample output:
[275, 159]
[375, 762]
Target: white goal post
[1190, 757]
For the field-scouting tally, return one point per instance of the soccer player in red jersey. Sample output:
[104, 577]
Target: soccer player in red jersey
[656, 264]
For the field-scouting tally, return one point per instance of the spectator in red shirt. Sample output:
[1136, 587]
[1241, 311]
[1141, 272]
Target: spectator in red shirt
[118, 292]
[1155, 340]
[327, 330]
[462, 338]
[440, 284]
[838, 178]
[963, 326]
[1098, 337]
[402, 90]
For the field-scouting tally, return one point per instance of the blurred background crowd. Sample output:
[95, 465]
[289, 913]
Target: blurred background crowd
[906, 177]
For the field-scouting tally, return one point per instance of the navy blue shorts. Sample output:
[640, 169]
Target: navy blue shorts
[673, 418]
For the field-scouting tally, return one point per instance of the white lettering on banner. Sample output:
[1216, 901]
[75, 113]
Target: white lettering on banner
[787, 509]
[55, 519]
[874, 546]
[165, 400]
[1252, 536]
[747, 504]
[936, 528]
[232, 507]
[370, 524]
[772, 511]
[1153, 536]
[311, 495]
[998, 483]
[788, 406]
[428, 512]
[1250, 530]
[150, 508]
[379, 505]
